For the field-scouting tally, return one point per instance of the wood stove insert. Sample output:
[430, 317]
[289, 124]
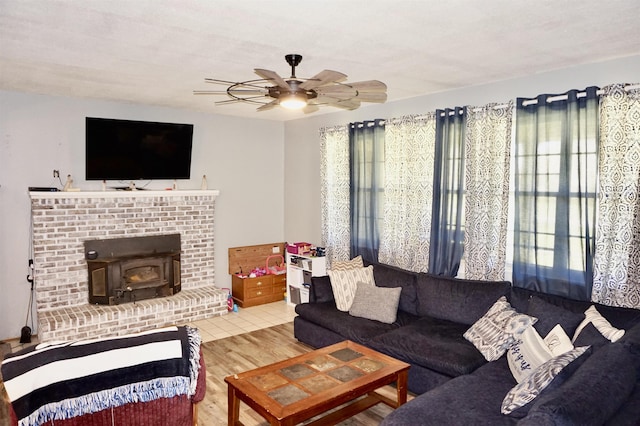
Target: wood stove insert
[123, 270]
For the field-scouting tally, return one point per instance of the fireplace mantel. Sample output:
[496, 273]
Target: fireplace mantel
[119, 194]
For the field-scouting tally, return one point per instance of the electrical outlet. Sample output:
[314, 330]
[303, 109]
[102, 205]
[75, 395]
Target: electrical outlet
[56, 173]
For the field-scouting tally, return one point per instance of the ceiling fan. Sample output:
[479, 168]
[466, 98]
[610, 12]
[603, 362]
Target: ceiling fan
[325, 88]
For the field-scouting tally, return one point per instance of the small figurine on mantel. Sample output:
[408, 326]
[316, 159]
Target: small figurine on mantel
[68, 186]
[204, 185]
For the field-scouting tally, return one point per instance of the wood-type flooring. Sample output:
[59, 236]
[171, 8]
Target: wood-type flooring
[244, 352]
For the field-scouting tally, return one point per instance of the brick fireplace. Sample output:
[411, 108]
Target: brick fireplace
[64, 221]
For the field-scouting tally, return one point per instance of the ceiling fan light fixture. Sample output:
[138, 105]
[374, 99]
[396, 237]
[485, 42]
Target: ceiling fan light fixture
[293, 100]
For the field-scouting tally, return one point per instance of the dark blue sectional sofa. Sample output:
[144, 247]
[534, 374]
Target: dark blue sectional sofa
[452, 381]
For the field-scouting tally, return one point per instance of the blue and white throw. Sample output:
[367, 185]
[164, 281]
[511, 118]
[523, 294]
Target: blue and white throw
[58, 381]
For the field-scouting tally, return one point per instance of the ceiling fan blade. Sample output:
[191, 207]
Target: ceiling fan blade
[337, 89]
[347, 104]
[322, 78]
[327, 99]
[371, 97]
[272, 76]
[369, 86]
[268, 106]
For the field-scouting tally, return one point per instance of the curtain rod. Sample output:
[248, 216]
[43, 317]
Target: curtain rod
[525, 103]
[579, 95]
[476, 109]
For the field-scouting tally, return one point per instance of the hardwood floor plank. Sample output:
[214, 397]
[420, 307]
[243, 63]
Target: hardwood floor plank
[251, 350]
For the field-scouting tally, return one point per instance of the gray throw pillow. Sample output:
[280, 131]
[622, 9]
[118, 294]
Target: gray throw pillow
[375, 303]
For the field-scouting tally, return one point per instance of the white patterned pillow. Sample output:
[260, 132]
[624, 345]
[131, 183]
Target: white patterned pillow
[344, 265]
[557, 341]
[498, 329]
[528, 353]
[525, 392]
[600, 323]
[344, 284]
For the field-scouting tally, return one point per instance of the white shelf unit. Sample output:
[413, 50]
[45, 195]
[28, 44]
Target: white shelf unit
[300, 269]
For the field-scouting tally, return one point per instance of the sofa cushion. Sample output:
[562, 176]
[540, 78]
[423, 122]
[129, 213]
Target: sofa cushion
[375, 303]
[343, 284]
[432, 343]
[498, 329]
[390, 276]
[320, 290]
[359, 330]
[464, 400]
[554, 371]
[592, 394]
[463, 301]
[590, 336]
[549, 315]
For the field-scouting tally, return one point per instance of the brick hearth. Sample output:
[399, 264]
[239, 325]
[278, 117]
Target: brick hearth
[62, 221]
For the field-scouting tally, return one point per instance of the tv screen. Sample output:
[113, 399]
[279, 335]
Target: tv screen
[131, 150]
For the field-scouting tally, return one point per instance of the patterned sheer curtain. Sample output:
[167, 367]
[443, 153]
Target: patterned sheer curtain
[334, 192]
[366, 141]
[556, 160]
[447, 232]
[487, 147]
[617, 262]
[408, 188]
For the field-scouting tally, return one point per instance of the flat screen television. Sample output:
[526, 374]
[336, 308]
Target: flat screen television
[132, 150]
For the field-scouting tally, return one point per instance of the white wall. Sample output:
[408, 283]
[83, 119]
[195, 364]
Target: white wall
[268, 172]
[302, 140]
[244, 159]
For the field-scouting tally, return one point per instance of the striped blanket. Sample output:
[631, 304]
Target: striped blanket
[64, 380]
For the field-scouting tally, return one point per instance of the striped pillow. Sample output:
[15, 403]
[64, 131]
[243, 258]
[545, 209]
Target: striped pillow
[600, 323]
[344, 265]
[344, 284]
[498, 329]
[526, 391]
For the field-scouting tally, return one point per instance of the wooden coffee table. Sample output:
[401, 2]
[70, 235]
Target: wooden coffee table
[291, 391]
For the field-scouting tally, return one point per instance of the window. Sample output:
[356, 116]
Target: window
[555, 193]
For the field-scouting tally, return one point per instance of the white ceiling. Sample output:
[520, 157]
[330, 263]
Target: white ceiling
[156, 52]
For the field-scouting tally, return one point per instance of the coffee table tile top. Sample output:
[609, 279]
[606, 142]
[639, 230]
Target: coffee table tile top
[323, 363]
[317, 384]
[346, 354]
[345, 373]
[296, 371]
[287, 394]
[369, 365]
[268, 381]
